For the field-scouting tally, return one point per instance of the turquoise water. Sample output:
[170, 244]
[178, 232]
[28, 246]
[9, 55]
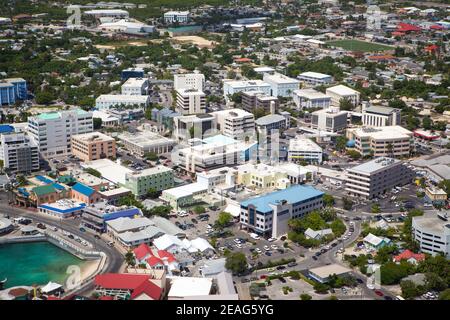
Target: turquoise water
[34, 263]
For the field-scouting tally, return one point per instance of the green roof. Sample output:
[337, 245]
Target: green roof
[57, 114]
[66, 179]
[43, 190]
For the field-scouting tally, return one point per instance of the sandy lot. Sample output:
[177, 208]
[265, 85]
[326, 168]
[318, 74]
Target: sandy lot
[199, 41]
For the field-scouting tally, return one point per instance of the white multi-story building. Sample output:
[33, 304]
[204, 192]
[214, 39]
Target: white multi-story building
[235, 123]
[198, 126]
[341, 92]
[281, 85]
[231, 87]
[135, 87]
[18, 152]
[189, 81]
[191, 101]
[432, 232]
[53, 131]
[214, 152]
[106, 101]
[314, 78]
[378, 116]
[176, 16]
[310, 99]
[304, 149]
[376, 177]
[390, 141]
[330, 119]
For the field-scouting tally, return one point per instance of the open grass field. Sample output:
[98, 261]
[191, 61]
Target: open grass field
[358, 45]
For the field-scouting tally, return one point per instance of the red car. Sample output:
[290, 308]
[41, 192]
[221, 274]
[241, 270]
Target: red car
[379, 293]
[263, 276]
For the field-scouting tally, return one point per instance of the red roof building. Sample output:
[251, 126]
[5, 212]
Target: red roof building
[410, 257]
[436, 27]
[142, 252]
[127, 285]
[406, 27]
[243, 60]
[381, 57]
[431, 48]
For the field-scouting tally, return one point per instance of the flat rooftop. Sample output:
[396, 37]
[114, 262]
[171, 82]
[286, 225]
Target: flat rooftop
[326, 271]
[109, 169]
[145, 139]
[93, 137]
[311, 94]
[303, 144]
[293, 194]
[387, 132]
[342, 90]
[316, 75]
[375, 165]
[248, 83]
[150, 171]
[280, 78]
[432, 222]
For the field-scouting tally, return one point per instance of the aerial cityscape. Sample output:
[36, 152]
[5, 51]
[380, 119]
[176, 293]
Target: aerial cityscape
[225, 150]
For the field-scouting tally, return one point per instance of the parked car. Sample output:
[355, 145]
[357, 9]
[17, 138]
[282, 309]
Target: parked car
[379, 293]
[41, 226]
[282, 280]
[292, 264]
[281, 267]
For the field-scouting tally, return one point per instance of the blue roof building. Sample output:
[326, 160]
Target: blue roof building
[269, 214]
[6, 128]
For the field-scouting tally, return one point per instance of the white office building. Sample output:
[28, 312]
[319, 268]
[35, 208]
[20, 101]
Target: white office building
[106, 101]
[314, 78]
[235, 123]
[18, 152]
[378, 116]
[214, 152]
[191, 101]
[281, 85]
[231, 87]
[376, 177]
[176, 16]
[341, 92]
[53, 131]
[432, 232]
[189, 81]
[330, 120]
[110, 13]
[135, 87]
[311, 99]
[304, 149]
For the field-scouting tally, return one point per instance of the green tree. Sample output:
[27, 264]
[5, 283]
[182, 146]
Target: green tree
[236, 262]
[199, 209]
[152, 193]
[321, 288]
[346, 104]
[341, 143]
[151, 156]
[348, 203]
[97, 123]
[129, 258]
[375, 208]
[328, 200]
[409, 289]
[224, 219]
[93, 172]
[445, 295]
[305, 296]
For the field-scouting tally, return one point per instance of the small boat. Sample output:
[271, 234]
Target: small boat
[2, 283]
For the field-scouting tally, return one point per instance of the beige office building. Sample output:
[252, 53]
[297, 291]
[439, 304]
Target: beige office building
[93, 146]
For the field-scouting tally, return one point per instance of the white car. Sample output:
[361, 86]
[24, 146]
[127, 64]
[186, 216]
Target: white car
[258, 250]
[237, 241]
[238, 245]
[274, 247]
[209, 227]
[266, 248]
[271, 239]
[254, 236]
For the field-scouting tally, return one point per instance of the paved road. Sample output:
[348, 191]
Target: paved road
[114, 259]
